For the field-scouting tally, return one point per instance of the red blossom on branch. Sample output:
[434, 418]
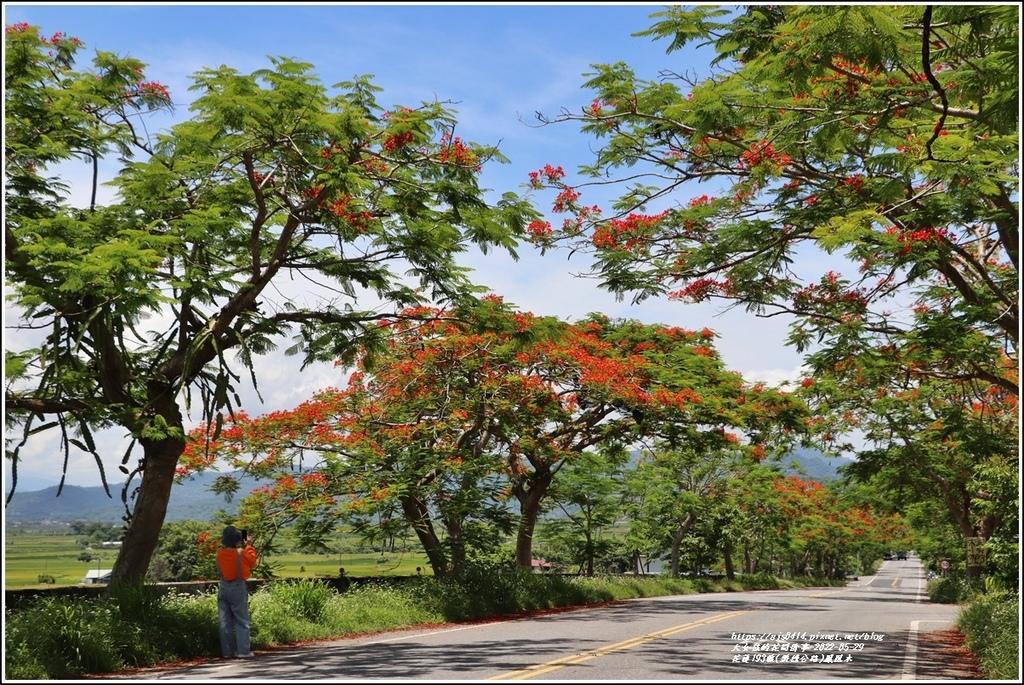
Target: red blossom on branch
[700, 289]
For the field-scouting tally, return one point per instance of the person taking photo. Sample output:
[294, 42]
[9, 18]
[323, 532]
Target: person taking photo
[235, 560]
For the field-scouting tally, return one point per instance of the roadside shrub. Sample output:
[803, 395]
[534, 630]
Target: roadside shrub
[66, 637]
[305, 598]
[706, 585]
[20, 661]
[187, 625]
[758, 581]
[272, 623]
[369, 607]
[602, 588]
[953, 589]
[991, 625]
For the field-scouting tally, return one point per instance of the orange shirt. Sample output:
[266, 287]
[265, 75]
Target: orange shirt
[227, 561]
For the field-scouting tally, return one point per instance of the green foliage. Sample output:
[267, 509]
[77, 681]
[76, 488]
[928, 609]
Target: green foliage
[21, 662]
[273, 174]
[587, 497]
[67, 638]
[303, 598]
[484, 590]
[178, 555]
[991, 624]
[884, 137]
[759, 581]
[186, 625]
[954, 588]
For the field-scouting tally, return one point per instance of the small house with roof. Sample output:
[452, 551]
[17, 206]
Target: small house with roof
[96, 576]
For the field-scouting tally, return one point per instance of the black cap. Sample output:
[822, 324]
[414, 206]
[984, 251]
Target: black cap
[230, 537]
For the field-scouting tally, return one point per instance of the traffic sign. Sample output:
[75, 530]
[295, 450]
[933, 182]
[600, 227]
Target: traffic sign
[944, 564]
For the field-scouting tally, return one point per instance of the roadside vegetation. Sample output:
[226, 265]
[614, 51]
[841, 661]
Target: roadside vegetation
[66, 637]
[989, 620]
[991, 623]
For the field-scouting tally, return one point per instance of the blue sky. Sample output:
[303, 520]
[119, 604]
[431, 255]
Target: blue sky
[497, 64]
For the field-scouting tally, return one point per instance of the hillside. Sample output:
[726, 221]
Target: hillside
[190, 499]
[813, 464]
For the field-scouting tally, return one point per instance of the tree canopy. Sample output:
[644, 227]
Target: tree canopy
[154, 305]
[455, 420]
[860, 168]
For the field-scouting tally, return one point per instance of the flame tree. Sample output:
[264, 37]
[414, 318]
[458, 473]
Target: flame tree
[885, 138]
[157, 303]
[454, 420]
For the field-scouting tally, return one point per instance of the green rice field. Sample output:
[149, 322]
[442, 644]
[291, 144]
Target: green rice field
[30, 557]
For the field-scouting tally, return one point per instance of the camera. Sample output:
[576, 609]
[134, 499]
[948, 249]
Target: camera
[244, 534]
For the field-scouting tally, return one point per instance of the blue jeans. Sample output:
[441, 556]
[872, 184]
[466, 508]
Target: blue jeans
[233, 607]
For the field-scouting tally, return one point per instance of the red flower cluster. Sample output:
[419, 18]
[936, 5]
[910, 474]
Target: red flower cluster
[701, 201]
[854, 183]
[453, 151]
[358, 220]
[539, 229]
[700, 289]
[154, 89]
[909, 239]
[627, 232]
[763, 153]
[397, 141]
[566, 200]
[549, 174]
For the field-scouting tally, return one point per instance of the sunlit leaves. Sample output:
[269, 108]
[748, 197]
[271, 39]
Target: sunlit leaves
[270, 177]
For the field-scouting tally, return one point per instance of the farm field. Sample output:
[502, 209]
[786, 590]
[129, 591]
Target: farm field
[28, 557]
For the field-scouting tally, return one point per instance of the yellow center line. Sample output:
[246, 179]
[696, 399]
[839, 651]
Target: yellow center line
[549, 666]
[895, 581]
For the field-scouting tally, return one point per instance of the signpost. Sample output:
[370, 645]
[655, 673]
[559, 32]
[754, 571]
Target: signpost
[975, 552]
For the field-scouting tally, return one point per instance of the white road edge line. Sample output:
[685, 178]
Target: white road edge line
[910, 656]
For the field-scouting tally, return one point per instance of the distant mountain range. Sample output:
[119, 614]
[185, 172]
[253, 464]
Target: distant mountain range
[192, 499]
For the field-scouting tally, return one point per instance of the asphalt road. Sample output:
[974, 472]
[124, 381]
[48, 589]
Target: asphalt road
[865, 631]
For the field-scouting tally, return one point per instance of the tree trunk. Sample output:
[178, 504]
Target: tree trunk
[677, 540]
[590, 554]
[529, 509]
[457, 544]
[730, 572]
[416, 514]
[524, 537]
[154, 493]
